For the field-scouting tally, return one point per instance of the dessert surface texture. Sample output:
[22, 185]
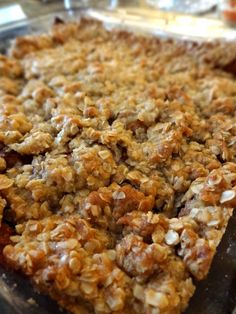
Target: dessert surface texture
[117, 165]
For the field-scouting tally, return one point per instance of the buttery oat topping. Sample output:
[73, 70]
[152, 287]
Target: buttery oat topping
[117, 165]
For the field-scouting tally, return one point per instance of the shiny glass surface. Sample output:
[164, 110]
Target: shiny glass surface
[186, 6]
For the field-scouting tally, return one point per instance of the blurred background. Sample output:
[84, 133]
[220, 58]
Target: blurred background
[16, 9]
[204, 19]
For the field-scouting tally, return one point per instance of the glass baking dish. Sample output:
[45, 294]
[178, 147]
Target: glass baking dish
[141, 20]
[216, 294]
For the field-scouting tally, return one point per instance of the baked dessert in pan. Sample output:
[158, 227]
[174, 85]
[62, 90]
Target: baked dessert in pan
[117, 165]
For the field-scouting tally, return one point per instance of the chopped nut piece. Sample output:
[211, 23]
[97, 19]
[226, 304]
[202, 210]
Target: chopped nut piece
[197, 188]
[2, 164]
[5, 182]
[155, 298]
[104, 154]
[227, 196]
[118, 195]
[172, 237]
[138, 292]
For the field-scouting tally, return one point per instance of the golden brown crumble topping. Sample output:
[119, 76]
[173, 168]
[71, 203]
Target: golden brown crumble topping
[117, 165]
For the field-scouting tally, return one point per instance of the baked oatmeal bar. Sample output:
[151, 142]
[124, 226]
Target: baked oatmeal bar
[117, 165]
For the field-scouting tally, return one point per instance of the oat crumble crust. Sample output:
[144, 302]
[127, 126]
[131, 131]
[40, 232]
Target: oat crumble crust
[117, 165]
